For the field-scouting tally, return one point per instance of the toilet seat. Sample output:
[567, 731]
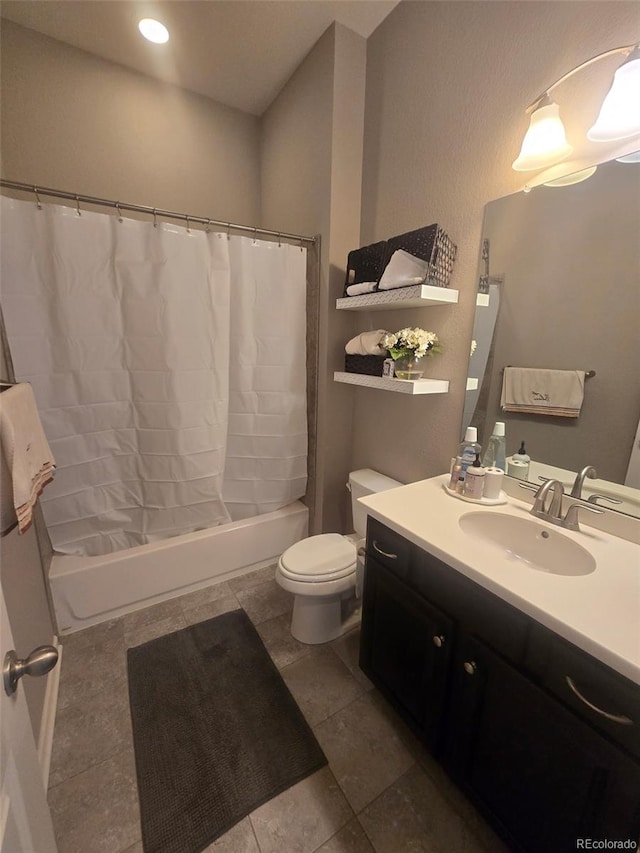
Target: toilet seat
[326, 557]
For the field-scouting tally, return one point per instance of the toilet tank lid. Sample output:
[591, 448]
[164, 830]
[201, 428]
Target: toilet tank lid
[372, 481]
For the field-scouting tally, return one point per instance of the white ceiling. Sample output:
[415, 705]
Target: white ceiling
[238, 52]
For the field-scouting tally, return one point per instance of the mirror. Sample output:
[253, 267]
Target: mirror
[560, 288]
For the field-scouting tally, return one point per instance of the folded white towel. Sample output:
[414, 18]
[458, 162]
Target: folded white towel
[366, 343]
[542, 392]
[25, 448]
[363, 287]
[403, 270]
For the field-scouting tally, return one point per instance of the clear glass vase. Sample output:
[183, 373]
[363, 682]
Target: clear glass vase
[408, 367]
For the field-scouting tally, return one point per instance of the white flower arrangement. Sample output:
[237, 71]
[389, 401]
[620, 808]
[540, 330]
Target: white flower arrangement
[411, 342]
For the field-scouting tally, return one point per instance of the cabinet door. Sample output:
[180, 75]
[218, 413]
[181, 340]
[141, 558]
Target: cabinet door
[405, 649]
[544, 776]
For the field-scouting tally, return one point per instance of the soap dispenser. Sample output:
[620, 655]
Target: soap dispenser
[474, 480]
[519, 464]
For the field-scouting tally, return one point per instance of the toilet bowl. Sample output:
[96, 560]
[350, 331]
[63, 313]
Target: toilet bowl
[324, 571]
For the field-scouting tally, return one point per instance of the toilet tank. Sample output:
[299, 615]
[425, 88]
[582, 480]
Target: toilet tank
[366, 482]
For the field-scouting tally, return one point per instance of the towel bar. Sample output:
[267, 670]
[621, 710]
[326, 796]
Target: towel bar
[588, 374]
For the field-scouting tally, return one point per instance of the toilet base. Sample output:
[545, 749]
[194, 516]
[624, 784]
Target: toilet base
[318, 620]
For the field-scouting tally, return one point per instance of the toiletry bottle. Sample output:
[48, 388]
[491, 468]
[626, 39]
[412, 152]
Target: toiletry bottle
[455, 474]
[495, 456]
[523, 457]
[468, 450]
[474, 480]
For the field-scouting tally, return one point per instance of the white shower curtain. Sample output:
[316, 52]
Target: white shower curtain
[133, 339]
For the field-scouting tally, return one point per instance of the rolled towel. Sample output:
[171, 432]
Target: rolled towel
[366, 343]
[363, 287]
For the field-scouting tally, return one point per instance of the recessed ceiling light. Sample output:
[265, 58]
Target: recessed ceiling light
[153, 30]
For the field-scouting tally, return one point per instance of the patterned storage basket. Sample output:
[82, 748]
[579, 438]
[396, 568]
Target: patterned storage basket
[371, 365]
[365, 264]
[431, 244]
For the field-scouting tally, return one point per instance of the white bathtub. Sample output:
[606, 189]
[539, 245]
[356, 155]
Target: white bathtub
[88, 590]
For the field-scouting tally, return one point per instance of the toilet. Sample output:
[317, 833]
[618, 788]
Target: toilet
[323, 572]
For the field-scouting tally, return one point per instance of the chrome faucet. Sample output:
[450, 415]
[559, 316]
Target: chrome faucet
[554, 513]
[588, 471]
[570, 520]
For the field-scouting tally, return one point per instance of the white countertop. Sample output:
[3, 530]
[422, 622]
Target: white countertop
[598, 612]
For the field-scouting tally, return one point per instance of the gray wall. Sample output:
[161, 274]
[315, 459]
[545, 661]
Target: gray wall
[447, 85]
[75, 122]
[311, 158]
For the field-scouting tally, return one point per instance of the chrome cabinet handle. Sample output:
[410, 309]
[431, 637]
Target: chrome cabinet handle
[615, 718]
[470, 667]
[438, 641]
[384, 553]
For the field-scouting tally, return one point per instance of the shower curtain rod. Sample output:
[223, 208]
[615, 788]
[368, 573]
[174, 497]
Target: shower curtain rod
[152, 211]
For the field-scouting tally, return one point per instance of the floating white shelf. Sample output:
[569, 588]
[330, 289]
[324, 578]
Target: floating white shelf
[483, 300]
[416, 296]
[400, 386]
[472, 383]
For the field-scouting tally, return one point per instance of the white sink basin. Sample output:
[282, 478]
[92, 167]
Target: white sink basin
[534, 545]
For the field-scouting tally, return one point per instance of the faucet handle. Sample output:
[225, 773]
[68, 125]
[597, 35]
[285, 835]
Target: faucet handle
[593, 499]
[530, 486]
[570, 520]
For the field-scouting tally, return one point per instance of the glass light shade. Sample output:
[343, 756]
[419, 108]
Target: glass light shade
[574, 178]
[153, 30]
[619, 116]
[545, 143]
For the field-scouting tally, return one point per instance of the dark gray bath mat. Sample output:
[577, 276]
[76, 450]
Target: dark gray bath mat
[216, 732]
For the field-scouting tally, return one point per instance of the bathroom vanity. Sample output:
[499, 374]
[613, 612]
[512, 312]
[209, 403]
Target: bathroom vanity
[524, 683]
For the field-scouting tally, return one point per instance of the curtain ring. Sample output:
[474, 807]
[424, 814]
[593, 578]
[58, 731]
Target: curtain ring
[38, 202]
[301, 249]
[208, 228]
[119, 211]
[279, 240]
[155, 218]
[78, 206]
[188, 229]
[255, 236]
[228, 230]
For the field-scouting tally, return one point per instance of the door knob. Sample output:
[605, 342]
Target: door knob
[41, 661]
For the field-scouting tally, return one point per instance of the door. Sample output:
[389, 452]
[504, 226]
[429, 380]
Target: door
[25, 821]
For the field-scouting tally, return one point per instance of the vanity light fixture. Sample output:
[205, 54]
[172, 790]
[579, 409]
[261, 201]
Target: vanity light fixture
[630, 158]
[545, 142]
[575, 178]
[153, 30]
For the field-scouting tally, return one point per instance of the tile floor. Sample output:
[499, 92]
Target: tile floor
[381, 791]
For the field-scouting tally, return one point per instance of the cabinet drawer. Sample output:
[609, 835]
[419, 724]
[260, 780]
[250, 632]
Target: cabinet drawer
[483, 614]
[598, 694]
[388, 548]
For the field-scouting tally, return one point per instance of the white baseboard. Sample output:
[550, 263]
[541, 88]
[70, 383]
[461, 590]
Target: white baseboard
[48, 721]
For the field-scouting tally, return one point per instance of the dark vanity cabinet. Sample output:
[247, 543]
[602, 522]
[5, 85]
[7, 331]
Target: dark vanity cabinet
[543, 738]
